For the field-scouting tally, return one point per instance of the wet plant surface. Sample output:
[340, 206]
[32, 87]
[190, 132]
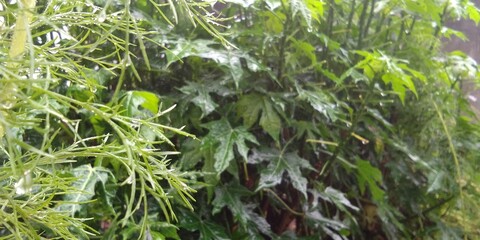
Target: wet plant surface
[276, 119]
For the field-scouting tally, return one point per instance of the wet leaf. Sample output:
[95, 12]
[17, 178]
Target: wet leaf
[221, 132]
[249, 108]
[136, 101]
[208, 230]
[278, 164]
[87, 177]
[368, 175]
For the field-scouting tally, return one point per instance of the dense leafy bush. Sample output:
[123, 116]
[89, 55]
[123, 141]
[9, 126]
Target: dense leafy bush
[313, 119]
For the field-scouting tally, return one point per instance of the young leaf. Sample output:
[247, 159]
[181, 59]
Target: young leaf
[133, 100]
[301, 6]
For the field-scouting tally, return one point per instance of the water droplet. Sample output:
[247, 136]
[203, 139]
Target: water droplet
[24, 185]
[8, 104]
[414, 158]
[102, 16]
[129, 180]
[129, 143]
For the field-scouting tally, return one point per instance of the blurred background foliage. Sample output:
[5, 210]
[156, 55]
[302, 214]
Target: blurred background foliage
[295, 119]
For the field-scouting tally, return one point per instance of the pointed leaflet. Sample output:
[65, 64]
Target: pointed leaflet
[473, 12]
[200, 97]
[394, 71]
[368, 175]
[249, 108]
[251, 222]
[222, 132]
[321, 102]
[280, 163]
[229, 60]
[87, 177]
[338, 198]
[256, 223]
[133, 100]
[208, 230]
[308, 9]
[300, 6]
[229, 196]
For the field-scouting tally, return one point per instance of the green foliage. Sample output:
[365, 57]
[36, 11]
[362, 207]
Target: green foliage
[315, 119]
[80, 156]
[321, 121]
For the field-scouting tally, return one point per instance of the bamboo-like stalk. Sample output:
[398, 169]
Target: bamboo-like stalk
[19, 38]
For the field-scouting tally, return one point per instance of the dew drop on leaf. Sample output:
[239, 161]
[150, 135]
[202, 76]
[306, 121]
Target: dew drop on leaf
[102, 17]
[24, 185]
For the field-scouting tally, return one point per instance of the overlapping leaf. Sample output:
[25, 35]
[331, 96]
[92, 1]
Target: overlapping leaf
[87, 177]
[249, 108]
[222, 132]
[368, 175]
[278, 164]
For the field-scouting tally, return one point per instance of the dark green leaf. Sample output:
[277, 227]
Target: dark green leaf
[208, 230]
[200, 97]
[87, 177]
[221, 132]
[368, 175]
[280, 163]
[249, 107]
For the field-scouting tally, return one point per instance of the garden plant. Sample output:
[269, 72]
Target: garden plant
[236, 119]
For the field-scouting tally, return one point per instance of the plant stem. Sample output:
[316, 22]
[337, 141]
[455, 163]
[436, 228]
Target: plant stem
[350, 18]
[370, 17]
[361, 23]
[283, 42]
[351, 131]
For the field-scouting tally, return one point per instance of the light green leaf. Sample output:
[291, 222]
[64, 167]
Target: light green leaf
[305, 49]
[473, 12]
[308, 9]
[133, 100]
[274, 22]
